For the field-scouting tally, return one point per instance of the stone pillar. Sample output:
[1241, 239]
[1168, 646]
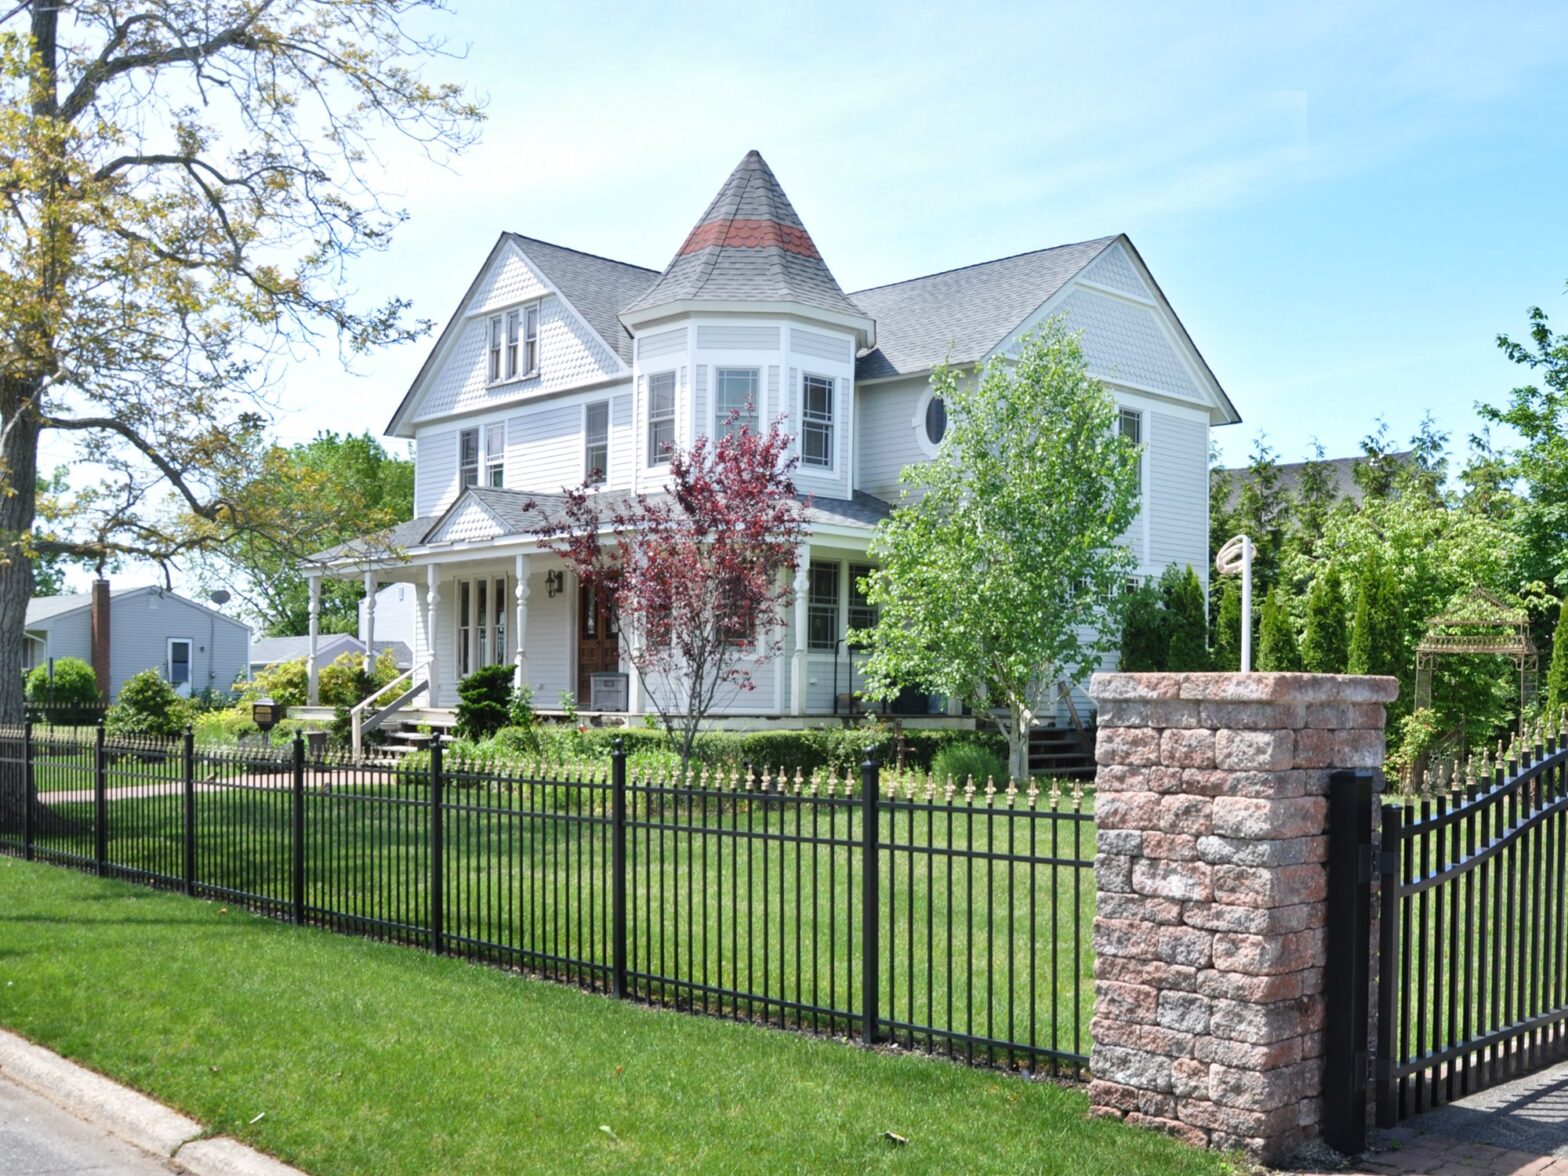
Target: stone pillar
[1209, 941]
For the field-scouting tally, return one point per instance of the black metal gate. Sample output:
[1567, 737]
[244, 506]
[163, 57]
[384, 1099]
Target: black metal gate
[1473, 918]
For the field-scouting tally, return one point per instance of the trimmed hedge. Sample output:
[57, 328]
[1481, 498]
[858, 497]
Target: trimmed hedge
[838, 749]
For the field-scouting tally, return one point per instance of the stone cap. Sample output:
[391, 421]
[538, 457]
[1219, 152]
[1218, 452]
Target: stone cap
[1210, 687]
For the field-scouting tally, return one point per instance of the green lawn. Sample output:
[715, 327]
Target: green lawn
[766, 902]
[365, 1057]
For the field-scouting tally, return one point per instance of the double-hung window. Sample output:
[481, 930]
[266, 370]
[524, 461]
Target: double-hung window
[495, 349]
[822, 606]
[513, 318]
[530, 340]
[468, 458]
[481, 624]
[596, 443]
[495, 454]
[1130, 422]
[816, 422]
[736, 400]
[661, 417]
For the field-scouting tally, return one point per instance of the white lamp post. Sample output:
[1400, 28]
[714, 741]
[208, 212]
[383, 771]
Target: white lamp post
[1234, 559]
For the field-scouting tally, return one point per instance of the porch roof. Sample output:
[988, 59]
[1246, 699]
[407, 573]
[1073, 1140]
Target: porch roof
[521, 514]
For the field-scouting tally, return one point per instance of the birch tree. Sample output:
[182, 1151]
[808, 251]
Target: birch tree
[1000, 570]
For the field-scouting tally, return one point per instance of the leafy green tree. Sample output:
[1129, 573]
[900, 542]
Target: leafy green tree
[1557, 673]
[1315, 495]
[1189, 630]
[1278, 650]
[184, 185]
[329, 490]
[1325, 640]
[1227, 627]
[1375, 626]
[1146, 635]
[1000, 569]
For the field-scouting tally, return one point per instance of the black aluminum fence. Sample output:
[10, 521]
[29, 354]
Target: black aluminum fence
[945, 919]
[1473, 985]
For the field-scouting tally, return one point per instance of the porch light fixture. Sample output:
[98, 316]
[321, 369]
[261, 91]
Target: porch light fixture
[554, 582]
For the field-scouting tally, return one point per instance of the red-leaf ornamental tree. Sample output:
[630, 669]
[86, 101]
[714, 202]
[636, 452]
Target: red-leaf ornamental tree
[699, 574]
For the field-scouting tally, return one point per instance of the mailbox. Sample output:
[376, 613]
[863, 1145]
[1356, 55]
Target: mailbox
[264, 713]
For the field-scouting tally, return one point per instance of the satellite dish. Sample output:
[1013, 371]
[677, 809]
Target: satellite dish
[219, 596]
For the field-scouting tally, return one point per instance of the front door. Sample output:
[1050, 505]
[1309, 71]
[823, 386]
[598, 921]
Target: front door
[598, 640]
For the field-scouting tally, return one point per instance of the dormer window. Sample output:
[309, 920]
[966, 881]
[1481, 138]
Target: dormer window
[736, 402]
[816, 422]
[514, 344]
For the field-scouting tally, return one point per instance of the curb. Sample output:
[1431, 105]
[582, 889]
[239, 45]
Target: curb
[130, 1116]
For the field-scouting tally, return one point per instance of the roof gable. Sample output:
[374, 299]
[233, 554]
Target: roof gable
[466, 520]
[962, 315]
[590, 291]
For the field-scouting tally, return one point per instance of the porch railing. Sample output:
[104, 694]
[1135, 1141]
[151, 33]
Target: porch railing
[367, 716]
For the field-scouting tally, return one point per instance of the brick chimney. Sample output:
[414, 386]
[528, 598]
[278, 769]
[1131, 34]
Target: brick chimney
[100, 613]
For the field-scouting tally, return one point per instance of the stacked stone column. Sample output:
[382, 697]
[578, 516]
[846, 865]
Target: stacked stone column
[1209, 939]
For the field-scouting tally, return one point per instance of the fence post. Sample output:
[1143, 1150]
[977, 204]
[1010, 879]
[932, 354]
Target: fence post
[870, 898]
[100, 803]
[188, 782]
[29, 788]
[297, 815]
[618, 870]
[437, 899]
[1347, 971]
[1385, 1085]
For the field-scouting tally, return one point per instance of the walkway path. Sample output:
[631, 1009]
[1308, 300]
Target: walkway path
[1517, 1129]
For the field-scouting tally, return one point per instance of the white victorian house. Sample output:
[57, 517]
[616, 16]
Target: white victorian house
[560, 367]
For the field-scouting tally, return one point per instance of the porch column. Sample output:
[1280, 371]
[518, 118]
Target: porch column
[312, 686]
[370, 622]
[520, 656]
[432, 606]
[802, 588]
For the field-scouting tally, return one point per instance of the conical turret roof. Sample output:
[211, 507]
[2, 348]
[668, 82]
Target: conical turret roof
[749, 246]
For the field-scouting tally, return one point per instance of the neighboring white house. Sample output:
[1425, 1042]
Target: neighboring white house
[195, 647]
[559, 366]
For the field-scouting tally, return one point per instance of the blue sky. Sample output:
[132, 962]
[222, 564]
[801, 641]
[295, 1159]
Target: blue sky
[1344, 202]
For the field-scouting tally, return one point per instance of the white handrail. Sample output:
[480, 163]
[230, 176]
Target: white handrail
[404, 676]
[356, 716]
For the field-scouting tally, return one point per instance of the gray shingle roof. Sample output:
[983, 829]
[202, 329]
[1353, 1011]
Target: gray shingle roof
[268, 651]
[1341, 471]
[960, 315]
[381, 544]
[45, 608]
[749, 246]
[597, 286]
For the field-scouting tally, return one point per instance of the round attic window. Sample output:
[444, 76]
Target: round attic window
[936, 420]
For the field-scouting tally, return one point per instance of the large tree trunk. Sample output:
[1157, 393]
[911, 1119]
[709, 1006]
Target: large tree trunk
[19, 463]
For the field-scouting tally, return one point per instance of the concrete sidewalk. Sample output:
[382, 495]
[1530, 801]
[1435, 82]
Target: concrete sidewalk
[56, 1117]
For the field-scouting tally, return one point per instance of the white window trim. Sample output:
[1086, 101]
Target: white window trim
[491, 318]
[190, 661]
[500, 618]
[486, 464]
[1143, 443]
[609, 444]
[919, 424]
[835, 423]
[758, 406]
[479, 457]
[652, 462]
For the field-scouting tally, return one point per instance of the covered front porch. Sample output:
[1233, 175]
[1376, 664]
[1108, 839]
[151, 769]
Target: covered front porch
[522, 606]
